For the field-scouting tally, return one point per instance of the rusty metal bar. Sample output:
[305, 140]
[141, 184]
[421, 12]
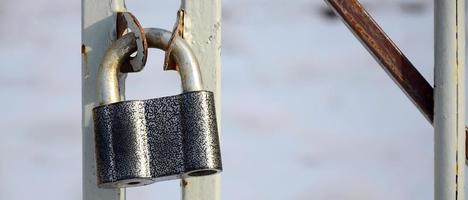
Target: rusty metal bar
[389, 56]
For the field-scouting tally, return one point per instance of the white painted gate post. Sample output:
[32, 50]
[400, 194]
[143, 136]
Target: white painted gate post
[449, 100]
[97, 34]
[202, 30]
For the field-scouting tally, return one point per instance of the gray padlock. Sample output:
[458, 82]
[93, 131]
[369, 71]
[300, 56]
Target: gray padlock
[143, 141]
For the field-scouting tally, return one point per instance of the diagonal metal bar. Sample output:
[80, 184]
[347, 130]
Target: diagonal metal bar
[389, 56]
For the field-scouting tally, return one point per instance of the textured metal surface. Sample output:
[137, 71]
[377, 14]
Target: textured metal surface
[140, 142]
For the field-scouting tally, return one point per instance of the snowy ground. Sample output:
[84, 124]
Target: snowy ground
[306, 112]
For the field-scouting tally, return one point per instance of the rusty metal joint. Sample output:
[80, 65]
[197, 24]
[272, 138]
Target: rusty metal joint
[177, 31]
[126, 23]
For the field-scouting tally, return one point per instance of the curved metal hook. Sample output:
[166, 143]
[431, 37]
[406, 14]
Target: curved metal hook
[108, 83]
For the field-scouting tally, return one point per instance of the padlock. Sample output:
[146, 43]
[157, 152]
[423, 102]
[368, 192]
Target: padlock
[139, 142]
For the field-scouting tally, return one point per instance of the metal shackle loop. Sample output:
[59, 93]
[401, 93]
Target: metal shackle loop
[121, 49]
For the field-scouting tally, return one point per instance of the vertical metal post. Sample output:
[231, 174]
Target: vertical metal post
[449, 99]
[202, 30]
[97, 33]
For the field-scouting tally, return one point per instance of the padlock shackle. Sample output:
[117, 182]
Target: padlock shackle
[121, 49]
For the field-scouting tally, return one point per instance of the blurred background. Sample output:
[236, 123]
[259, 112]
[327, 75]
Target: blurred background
[306, 112]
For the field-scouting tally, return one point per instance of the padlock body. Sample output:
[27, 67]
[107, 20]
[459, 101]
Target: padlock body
[144, 141]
